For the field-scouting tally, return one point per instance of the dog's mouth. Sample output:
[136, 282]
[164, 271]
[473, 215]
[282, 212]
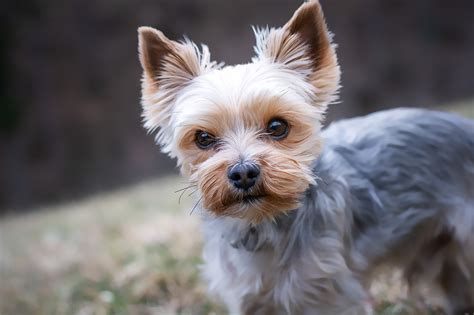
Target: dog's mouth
[245, 200]
[248, 199]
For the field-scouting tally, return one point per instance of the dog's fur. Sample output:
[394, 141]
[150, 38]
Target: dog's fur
[395, 188]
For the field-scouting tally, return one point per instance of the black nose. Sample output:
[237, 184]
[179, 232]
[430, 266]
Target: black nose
[243, 175]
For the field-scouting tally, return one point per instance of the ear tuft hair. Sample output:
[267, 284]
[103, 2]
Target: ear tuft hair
[303, 45]
[168, 66]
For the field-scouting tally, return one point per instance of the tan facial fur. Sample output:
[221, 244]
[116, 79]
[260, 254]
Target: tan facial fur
[293, 77]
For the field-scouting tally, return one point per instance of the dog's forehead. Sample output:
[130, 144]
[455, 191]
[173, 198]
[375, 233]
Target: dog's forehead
[247, 76]
[233, 90]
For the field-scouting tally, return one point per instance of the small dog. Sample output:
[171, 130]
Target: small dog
[292, 227]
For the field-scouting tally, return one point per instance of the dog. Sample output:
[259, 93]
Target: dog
[296, 219]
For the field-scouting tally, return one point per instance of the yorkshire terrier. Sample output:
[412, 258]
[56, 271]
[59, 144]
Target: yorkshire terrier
[298, 220]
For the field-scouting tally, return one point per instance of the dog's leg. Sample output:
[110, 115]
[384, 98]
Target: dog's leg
[254, 307]
[457, 288]
[457, 274]
[258, 305]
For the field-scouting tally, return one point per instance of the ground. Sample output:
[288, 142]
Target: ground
[132, 251]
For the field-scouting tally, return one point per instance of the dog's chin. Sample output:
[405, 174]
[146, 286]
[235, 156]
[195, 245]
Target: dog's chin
[251, 199]
[255, 208]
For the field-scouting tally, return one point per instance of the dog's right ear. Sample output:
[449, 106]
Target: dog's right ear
[168, 66]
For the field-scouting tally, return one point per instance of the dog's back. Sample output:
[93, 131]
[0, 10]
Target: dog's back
[411, 173]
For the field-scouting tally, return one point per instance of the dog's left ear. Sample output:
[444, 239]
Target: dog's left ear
[304, 45]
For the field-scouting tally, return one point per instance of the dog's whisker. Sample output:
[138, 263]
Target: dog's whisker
[192, 210]
[185, 188]
[180, 196]
[190, 194]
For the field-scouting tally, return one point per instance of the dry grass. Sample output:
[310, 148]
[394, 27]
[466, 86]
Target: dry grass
[135, 251]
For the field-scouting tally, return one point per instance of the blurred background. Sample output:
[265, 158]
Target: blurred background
[73, 151]
[70, 78]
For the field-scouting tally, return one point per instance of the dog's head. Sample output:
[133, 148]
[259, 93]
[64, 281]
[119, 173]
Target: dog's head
[246, 135]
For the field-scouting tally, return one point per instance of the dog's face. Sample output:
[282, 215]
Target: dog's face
[246, 135]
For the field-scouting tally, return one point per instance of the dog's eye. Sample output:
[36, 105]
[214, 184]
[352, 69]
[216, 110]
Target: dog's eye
[277, 128]
[204, 140]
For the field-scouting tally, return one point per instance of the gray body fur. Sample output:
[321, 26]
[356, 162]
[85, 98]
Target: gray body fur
[395, 188]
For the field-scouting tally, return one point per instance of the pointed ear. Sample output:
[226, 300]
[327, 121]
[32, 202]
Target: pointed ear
[168, 66]
[160, 56]
[304, 44]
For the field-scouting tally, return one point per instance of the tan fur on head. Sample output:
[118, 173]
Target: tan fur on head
[294, 77]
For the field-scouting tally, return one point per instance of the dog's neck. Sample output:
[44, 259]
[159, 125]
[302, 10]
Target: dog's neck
[253, 237]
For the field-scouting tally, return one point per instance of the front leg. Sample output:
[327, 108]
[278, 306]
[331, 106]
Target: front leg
[259, 305]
